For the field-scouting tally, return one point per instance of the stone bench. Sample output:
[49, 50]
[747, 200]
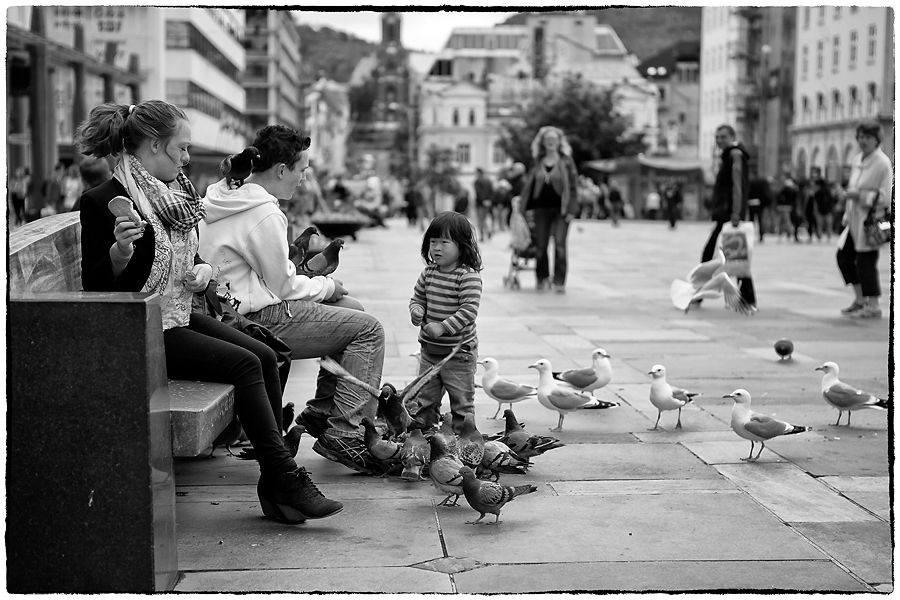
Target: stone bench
[93, 424]
[45, 256]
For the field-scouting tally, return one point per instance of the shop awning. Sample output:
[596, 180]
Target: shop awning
[669, 163]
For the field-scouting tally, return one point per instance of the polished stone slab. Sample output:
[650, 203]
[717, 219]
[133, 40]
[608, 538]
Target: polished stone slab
[792, 494]
[662, 576]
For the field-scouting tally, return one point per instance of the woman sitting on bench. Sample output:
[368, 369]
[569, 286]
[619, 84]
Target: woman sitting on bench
[156, 251]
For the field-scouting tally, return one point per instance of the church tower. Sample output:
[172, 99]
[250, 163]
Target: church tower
[392, 73]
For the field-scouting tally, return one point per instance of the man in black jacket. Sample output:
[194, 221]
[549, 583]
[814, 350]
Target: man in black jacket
[730, 195]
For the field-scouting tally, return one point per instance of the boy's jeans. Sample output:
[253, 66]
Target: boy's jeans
[458, 378]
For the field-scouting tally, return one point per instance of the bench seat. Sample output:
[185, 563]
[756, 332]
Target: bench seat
[200, 410]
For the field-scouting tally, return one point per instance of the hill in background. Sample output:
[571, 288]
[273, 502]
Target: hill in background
[334, 52]
[644, 30]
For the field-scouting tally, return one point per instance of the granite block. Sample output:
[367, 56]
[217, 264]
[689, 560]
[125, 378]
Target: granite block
[200, 411]
[101, 518]
[45, 255]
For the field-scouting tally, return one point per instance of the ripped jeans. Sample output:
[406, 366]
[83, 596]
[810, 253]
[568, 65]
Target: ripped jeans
[344, 332]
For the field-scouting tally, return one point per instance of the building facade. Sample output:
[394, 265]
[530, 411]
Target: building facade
[844, 74]
[327, 110]
[271, 80]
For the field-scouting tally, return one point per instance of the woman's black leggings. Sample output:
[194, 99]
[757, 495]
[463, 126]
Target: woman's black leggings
[208, 350]
[859, 268]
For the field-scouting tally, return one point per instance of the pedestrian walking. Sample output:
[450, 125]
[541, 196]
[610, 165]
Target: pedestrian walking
[72, 187]
[444, 306]
[550, 192]
[18, 191]
[786, 205]
[810, 212]
[674, 200]
[652, 204]
[484, 198]
[824, 202]
[757, 202]
[729, 200]
[868, 192]
[615, 203]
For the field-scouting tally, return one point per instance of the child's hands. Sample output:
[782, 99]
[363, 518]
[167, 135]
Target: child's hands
[417, 313]
[196, 279]
[434, 330]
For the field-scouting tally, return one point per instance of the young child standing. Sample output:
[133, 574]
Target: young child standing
[445, 304]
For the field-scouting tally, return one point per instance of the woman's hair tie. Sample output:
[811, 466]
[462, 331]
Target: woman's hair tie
[131, 109]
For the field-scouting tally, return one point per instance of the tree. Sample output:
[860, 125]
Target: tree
[587, 115]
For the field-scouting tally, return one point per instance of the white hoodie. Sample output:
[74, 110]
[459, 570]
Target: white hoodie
[244, 238]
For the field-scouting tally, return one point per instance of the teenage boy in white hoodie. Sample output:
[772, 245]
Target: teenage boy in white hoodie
[244, 237]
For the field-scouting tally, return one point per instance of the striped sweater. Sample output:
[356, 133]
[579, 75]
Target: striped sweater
[451, 299]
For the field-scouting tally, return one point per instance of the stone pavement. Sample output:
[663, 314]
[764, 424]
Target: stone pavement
[619, 508]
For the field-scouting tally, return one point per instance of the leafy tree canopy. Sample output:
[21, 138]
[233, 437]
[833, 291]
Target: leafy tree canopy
[587, 115]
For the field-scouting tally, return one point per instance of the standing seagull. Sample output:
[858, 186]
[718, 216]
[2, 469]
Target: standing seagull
[844, 397]
[754, 426]
[591, 378]
[562, 399]
[665, 397]
[500, 389]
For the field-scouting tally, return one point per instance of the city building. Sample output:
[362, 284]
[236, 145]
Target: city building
[485, 74]
[271, 79]
[844, 74]
[192, 57]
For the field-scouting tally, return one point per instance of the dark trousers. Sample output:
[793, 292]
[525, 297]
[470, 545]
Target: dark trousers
[859, 268]
[208, 350]
[756, 216]
[550, 223]
[745, 283]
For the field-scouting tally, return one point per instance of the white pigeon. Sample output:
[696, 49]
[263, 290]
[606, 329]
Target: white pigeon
[562, 399]
[844, 397]
[591, 378]
[754, 426]
[708, 280]
[665, 397]
[500, 389]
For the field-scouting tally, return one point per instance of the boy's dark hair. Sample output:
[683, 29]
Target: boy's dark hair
[94, 171]
[453, 225]
[278, 144]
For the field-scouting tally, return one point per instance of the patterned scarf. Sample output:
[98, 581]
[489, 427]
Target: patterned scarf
[178, 205]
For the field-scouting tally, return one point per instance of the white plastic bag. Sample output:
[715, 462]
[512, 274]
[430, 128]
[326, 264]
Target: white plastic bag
[737, 244]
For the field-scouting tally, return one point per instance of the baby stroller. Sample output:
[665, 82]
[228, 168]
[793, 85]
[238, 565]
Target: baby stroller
[523, 249]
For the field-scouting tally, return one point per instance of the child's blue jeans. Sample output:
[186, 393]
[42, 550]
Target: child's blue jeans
[458, 378]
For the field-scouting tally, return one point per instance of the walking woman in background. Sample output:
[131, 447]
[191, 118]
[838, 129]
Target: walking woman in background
[870, 185]
[159, 254]
[550, 192]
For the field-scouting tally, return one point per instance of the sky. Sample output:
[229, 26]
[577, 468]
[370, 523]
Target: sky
[427, 31]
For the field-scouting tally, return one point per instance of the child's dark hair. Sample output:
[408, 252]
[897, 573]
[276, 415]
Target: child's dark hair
[454, 226]
[278, 144]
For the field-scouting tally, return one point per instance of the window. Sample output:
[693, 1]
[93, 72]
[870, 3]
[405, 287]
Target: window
[456, 116]
[804, 64]
[854, 101]
[872, 100]
[804, 102]
[872, 39]
[463, 153]
[498, 155]
[836, 52]
[821, 14]
[836, 107]
[183, 35]
[806, 12]
[434, 115]
[837, 13]
[820, 106]
[820, 56]
[854, 40]
[472, 117]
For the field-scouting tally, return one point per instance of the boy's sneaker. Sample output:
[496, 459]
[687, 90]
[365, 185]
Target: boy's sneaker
[350, 452]
[314, 423]
[866, 312]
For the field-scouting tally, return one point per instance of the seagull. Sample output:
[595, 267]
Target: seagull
[665, 397]
[755, 426]
[562, 399]
[844, 397]
[489, 497]
[500, 389]
[707, 280]
[591, 378]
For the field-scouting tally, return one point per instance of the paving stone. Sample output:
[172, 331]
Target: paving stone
[397, 580]
[859, 484]
[863, 548]
[675, 436]
[792, 494]
[730, 452]
[644, 486]
[663, 576]
[542, 528]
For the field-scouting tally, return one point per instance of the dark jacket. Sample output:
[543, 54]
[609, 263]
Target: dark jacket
[97, 237]
[723, 193]
[570, 203]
